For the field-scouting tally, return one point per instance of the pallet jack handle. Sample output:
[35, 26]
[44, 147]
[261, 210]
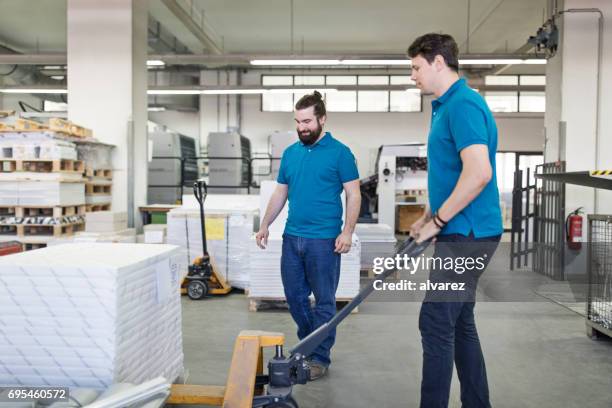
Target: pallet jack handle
[308, 344]
[200, 191]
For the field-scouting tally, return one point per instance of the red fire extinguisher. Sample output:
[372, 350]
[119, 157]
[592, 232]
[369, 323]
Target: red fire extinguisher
[573, 229]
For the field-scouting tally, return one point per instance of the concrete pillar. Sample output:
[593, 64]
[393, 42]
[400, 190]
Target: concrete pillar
[107, 88]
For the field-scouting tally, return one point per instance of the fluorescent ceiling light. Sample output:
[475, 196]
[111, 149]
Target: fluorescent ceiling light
[58, 77]
[405, 62]
[174, 92]
[52, 67]
[502, 61]
[296, 62]
[156, 108]
[233, 91]
[33, 91]
[155, 63]
[299, 90]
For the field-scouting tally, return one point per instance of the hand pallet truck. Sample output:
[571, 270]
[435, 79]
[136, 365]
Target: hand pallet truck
[247, 386]
[202, 278]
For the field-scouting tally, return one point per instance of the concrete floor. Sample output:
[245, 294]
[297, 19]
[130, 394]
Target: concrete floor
[537, 353]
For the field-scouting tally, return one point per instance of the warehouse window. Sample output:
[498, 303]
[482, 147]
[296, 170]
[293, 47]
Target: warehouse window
[519, 100]
[373, 101]
[404, 101]
[345, 101]
[277, 102]
[304, 80]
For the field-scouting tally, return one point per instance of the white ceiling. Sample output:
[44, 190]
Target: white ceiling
[252, 26]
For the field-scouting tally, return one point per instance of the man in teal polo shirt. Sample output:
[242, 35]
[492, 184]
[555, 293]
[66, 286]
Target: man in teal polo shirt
[464, 215]
[313, 173]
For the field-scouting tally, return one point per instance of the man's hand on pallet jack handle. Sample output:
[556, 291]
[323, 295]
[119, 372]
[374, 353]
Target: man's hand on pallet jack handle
[424, 228]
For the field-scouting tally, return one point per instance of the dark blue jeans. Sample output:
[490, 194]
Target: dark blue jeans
[311, 266]
[448, 328]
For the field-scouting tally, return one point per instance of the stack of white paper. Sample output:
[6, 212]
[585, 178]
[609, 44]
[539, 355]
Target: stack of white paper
[126, 236]
[106, 221]
[90, 315]
[377, 240]
[155, 233]
[266, 281]
[41, 193]
[228, 236]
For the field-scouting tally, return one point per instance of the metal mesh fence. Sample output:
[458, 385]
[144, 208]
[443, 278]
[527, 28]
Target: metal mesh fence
[599, 298]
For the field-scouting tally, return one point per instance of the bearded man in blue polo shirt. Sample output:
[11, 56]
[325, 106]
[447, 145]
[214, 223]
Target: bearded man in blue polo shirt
[463, 215]
[313, 173]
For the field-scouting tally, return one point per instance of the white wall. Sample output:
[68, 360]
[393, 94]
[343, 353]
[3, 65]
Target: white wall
[186, 123]
[365, 132]
[572, 83]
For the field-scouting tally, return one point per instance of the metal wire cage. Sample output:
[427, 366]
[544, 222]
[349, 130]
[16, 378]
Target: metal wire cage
[599, 295]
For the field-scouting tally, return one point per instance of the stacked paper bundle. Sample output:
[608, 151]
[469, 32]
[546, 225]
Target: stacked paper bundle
[266, 279]
[41, 193]
[228, 236]
[106, 313]
[106, 221]
[125, 236]
[377, 240]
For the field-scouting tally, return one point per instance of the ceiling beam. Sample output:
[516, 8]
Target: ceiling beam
[204, 35]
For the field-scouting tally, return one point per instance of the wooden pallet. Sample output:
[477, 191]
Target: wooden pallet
[8, 211]
[8, 230]
[42, 165]
[260, 303]
[93, 189]
[69, 128]
[28, 246]
[55, 212]
[60, 230]
[98, 207]
[106, 174]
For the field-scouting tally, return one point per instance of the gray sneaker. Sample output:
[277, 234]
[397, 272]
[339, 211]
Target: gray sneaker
[317, 370]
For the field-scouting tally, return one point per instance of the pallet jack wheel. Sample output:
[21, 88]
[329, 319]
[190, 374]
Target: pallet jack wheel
[197, 290]
[289, 403]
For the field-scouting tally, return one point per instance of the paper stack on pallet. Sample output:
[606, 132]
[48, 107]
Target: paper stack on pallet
[266, 281]
[377, 240]
[231, 220]
[155, 233]
[227, 234]
[106, 221]
[90, 315]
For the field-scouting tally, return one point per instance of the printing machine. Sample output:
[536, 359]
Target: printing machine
[400, 179]
[229, 156]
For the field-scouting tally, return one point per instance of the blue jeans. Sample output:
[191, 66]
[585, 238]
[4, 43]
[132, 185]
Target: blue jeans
[448, 329]
[311, 266]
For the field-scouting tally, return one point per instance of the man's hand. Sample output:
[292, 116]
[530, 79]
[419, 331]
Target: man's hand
[417, 226]
[262, 237]
[429, 230]
[343, 243]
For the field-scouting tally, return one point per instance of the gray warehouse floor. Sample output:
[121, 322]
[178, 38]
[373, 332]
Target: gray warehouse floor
[537, 353]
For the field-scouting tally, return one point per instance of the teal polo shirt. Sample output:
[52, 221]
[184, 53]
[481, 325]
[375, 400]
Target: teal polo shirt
[314, 175]
[461, 118]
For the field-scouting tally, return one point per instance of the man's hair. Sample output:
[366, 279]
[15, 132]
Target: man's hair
[432, 44]
[314, 99]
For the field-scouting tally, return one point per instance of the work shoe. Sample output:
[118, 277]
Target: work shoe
[317, 370]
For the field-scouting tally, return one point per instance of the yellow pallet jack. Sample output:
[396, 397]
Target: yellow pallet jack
[247, 386]
[202, 278]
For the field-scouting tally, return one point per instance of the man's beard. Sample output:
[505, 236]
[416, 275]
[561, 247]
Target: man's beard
[309, 137]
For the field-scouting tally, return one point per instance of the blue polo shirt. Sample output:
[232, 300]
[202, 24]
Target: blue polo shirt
[314, 175]
[461, 118]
